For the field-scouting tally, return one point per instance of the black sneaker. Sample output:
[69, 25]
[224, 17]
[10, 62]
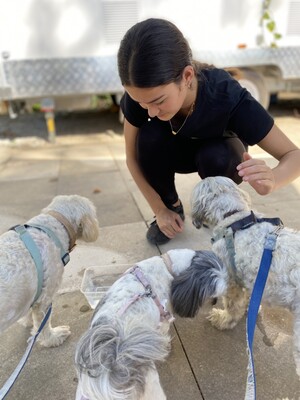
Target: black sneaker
[155, 235]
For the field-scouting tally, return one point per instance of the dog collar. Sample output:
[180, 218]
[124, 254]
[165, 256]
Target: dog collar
[244, 223]
[250, 220]
[69, 228]
[168, 262]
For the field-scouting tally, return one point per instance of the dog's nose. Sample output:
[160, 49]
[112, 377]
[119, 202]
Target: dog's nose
[214, 301]
[197, 223]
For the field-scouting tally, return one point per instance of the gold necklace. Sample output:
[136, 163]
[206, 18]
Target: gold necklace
[188, 114]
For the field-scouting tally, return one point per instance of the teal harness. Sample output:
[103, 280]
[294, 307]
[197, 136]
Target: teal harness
[35, 253]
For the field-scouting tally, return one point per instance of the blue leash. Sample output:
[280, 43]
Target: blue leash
[254, 304]
[11, 380]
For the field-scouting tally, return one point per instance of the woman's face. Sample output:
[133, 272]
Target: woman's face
[162, 101]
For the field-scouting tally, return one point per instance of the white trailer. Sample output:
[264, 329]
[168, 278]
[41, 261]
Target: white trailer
[65, 50]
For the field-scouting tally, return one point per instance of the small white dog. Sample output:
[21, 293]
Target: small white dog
[67, 218]
[238, 241]
[116, 357]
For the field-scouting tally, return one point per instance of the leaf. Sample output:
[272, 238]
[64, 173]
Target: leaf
[266, 15]
[277, 36]
[271, 26]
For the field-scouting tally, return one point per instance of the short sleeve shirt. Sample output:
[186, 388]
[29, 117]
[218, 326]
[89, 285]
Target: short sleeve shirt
[222, 105]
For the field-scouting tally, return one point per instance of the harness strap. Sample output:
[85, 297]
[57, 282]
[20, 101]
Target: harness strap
[229, 240]
[35, 254]
[164, 314]
[138, 273]
[250, 220]
[133, 299]
[65, 256]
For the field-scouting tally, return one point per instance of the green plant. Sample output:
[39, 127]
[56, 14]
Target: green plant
[269, 23]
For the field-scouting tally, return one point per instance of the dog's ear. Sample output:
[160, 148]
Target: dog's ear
[197, 205]
[88, 229]
[206, 278]
[202, 199]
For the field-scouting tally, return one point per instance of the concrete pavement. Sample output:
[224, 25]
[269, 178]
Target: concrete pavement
[204, 364]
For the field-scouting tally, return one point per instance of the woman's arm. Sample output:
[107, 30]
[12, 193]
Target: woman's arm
[168, 221]
[261, 177]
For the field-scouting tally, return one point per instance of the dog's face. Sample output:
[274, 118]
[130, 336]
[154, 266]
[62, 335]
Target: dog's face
[214, 197]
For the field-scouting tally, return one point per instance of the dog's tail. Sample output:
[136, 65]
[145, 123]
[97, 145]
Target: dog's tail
[113, 359]
[206, 278]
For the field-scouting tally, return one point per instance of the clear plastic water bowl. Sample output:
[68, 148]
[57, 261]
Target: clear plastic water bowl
[98, 279]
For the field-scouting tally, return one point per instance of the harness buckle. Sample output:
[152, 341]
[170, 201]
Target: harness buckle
[148, 291]
[277, 229]
[65, 259]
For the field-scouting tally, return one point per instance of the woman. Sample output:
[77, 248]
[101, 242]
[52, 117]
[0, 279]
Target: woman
[182, 116]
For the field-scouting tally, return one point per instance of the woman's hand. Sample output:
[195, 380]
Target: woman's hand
[169, 222]
[257, 174]
[262, 178]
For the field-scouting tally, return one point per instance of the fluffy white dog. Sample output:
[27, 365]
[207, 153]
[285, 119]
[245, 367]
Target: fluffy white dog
[68, 218]
[238, 240]
[116, 357]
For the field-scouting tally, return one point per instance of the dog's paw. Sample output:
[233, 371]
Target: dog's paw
[56, 336]
[220, 319]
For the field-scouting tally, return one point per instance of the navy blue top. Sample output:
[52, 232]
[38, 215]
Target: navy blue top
[221, 105]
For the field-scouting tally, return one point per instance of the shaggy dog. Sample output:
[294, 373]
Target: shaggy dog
[68, 218]
[116, 357]
[238, 240]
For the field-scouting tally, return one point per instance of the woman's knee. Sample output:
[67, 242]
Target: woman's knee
[220, 158]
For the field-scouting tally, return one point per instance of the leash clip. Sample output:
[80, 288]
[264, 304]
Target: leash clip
[277, 229]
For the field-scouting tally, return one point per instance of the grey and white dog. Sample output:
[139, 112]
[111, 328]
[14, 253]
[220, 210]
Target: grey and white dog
[69, 218]
[217, 202]
[116, 356]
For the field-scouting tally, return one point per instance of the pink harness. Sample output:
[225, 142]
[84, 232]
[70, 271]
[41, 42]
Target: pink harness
[138, 273]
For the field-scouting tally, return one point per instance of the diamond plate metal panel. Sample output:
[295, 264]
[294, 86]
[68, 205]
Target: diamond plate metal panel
[286, 58]
[97, 75]
[61, 77]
